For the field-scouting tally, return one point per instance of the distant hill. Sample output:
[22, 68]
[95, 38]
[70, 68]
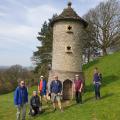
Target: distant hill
[4, 67]
[26, 67]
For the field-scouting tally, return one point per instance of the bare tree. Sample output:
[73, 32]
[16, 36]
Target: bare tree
[105, 18]
[89, 36]
[9, 77]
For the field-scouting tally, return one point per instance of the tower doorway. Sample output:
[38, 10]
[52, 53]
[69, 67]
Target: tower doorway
[67, 90]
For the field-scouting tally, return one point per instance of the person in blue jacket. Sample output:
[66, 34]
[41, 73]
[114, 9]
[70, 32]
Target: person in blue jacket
[56, 92]
[97, 77]
[20, 100]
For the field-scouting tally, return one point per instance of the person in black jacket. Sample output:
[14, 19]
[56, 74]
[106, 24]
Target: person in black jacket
[35, 105]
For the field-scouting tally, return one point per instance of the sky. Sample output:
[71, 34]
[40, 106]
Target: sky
[20, 22]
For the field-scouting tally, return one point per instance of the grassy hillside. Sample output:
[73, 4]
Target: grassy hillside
[108, 108]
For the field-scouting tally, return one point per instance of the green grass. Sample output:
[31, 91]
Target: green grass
[108, 108]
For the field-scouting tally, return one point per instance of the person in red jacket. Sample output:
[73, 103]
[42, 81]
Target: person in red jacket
[42, 88]
[78, 85]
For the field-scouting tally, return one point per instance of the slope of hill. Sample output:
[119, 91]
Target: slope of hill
[108, 108]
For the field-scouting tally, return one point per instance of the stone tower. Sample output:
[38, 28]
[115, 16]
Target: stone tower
[67, 49]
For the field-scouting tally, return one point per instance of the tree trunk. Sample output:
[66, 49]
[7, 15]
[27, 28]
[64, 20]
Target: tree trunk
[104, 51]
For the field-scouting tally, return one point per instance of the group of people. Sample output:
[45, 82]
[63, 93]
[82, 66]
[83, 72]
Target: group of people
[54, 93]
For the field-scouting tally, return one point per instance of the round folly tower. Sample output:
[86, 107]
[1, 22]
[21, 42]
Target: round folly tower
[67, 49]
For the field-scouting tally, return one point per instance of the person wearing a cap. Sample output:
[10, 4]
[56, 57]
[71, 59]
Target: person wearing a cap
[56, 92]
[42, 87]
[35, 107]
[78, 86]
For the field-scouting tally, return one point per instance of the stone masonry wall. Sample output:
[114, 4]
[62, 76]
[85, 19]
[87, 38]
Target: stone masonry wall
[61, 39]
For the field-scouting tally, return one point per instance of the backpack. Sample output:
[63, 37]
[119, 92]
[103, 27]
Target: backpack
[100, 76]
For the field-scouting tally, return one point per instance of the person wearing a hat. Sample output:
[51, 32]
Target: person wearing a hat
[78, 86]
[35, 107]
[42, 87]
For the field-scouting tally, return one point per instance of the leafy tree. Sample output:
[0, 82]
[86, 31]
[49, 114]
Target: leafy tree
[43, 56]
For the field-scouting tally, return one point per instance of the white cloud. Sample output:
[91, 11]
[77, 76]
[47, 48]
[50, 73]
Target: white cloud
[91, 1]
[2, 14]
[34, 17]
[39, 14]
[16, 35]
[26, 34]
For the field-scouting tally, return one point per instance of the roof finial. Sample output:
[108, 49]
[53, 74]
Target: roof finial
[69, 3]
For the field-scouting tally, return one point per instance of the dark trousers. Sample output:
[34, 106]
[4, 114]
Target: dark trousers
[97, 91]
[36, 111]
[78, 96]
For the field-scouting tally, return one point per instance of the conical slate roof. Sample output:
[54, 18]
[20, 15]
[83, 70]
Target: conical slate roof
[69, 14]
